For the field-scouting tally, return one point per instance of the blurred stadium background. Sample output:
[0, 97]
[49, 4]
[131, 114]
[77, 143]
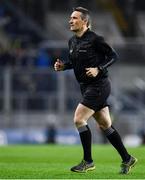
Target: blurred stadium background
[36, 103]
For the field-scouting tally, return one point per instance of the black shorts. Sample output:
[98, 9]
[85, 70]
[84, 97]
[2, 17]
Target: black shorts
[95, 95]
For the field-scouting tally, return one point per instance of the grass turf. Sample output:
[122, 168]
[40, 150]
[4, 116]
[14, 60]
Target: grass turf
[54, 162]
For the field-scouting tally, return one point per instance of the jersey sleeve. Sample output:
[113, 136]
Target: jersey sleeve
[108, 52]
[68, 64]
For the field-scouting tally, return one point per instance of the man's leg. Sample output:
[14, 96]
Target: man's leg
[104, 120]
[82, 114]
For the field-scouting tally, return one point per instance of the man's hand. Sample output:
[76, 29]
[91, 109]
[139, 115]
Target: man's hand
[59, 65]
[92, 72]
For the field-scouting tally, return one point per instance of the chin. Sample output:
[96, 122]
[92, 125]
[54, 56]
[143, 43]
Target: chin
[74, 30]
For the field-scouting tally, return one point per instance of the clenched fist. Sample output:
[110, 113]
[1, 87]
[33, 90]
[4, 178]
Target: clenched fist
[59, 65]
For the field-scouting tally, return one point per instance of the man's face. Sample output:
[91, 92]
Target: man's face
[76, 22]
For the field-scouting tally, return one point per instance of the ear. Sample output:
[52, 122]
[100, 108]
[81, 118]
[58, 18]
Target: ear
[86, 22]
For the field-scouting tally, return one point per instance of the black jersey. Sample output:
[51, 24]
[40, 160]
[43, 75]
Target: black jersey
[89, 50]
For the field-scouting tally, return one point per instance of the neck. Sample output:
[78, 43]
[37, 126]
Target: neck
[81, 32]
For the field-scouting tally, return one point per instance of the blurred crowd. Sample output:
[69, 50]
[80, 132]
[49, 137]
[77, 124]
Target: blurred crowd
[19, 46]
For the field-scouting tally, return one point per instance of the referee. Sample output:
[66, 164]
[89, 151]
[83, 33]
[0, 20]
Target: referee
[89, 57]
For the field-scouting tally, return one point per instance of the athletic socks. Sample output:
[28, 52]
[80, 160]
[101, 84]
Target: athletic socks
[113, 137]
[116, 141]
[86, 140]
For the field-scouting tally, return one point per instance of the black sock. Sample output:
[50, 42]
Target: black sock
[116, 141]
[86, 140]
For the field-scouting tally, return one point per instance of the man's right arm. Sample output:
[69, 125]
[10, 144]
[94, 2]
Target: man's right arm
[60, 66]
[67, 66]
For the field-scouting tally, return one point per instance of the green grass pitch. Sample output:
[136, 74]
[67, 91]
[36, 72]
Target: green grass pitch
[54, 162]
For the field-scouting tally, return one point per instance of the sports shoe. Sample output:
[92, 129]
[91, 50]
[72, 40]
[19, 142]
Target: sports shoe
[83, 167]
[126, 166]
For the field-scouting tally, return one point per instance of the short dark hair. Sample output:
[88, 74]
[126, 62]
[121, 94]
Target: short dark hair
[82, 10]
[84, 14]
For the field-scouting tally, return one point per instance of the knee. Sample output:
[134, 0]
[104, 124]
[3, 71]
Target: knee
[78, 121]
[105, 124]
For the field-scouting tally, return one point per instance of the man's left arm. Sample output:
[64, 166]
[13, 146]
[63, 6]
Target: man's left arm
[109, 53]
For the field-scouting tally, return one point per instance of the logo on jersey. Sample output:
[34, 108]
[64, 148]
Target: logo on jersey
[70, 51]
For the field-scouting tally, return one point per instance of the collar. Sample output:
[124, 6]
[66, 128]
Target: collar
[83, 35]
